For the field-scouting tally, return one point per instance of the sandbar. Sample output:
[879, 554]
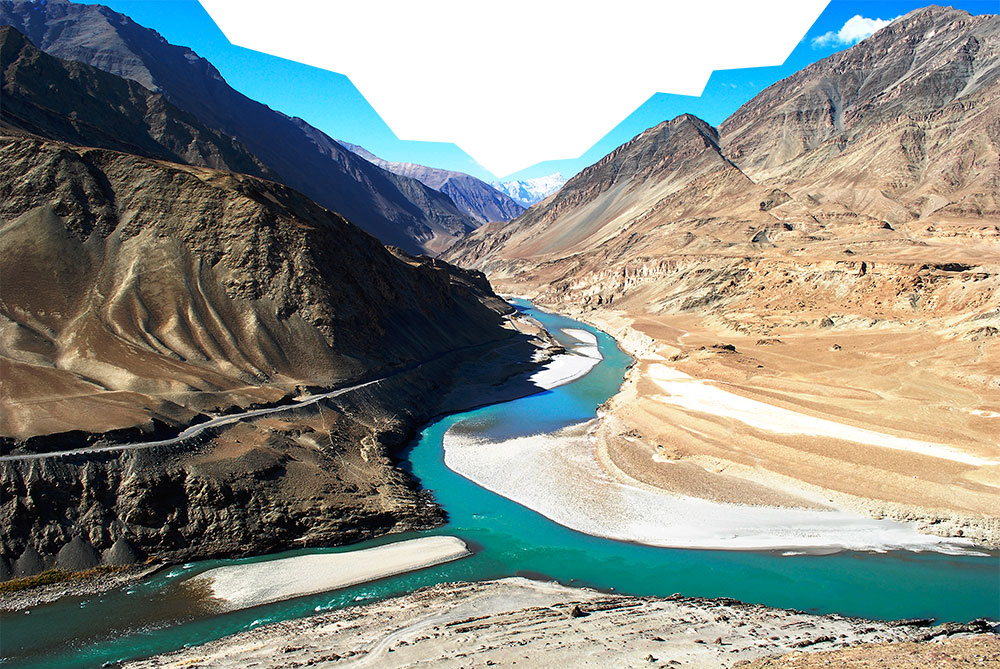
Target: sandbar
[244, 585]
[572, 365]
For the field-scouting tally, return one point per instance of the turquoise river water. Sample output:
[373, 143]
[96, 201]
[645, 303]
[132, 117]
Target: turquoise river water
[160, 615]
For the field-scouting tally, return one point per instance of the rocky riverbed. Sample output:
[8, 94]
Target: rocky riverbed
[520, 622]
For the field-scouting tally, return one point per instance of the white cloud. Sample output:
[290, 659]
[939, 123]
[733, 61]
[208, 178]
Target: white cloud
[856, 29]
[522, 81]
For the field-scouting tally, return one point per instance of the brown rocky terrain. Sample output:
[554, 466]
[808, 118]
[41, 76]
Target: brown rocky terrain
[832, 251]
[516, 622]
[396, 209]
[139, 296]
[976, 651]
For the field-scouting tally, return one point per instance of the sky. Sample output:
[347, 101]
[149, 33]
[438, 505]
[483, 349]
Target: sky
[329, 100]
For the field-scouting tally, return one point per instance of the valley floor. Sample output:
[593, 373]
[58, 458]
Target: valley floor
[890, 422]
[517, 622]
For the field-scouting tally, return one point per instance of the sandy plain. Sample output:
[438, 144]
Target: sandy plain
[891, 422]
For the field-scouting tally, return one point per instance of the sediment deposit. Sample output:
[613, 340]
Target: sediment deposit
[516, 622]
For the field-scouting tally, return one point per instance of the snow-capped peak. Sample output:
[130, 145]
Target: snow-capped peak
[527, 192]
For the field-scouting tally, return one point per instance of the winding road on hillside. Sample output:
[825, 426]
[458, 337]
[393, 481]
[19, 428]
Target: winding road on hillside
[195, 430]
[228, 419]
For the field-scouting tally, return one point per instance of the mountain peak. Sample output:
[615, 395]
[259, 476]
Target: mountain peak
[915, 66]
[528, 192]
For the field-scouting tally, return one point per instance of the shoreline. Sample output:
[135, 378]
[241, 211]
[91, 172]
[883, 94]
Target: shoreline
[77, 584]
[555, 472]
[519, 622]
[228, 638]
[505, 377]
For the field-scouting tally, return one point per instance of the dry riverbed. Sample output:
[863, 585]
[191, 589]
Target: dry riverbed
[526, 623]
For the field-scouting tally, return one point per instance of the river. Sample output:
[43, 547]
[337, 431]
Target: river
[160, 614]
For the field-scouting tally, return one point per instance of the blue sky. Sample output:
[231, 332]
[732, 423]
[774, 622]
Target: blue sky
[330, 102]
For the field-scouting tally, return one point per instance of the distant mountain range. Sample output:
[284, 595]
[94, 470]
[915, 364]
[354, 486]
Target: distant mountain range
[527, 192]
[482, 202]
[398, 210]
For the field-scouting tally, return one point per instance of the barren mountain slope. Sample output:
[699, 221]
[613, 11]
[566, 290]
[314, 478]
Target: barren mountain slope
[612, 199]
[304, 157]
[69, 101]
[155, 290]
[139, 296]
[476, 198]
[903, 127]
[857, 282]
[909, 70]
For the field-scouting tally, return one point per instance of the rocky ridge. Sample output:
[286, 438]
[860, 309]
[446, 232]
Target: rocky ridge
[399, 211]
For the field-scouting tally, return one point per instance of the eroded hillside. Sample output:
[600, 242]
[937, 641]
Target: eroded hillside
[140, 295]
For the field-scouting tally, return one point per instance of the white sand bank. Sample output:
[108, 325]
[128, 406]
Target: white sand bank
[696, 395]
[582, 335]
[572, 365]
[245, 585]
[558, 476]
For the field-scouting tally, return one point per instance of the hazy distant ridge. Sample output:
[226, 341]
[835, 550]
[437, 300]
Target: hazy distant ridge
[475, 197]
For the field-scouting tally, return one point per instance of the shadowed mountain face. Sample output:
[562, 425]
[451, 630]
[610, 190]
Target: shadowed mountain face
[476, 198]
[148, 289]
[398, 211]
[79, 104]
